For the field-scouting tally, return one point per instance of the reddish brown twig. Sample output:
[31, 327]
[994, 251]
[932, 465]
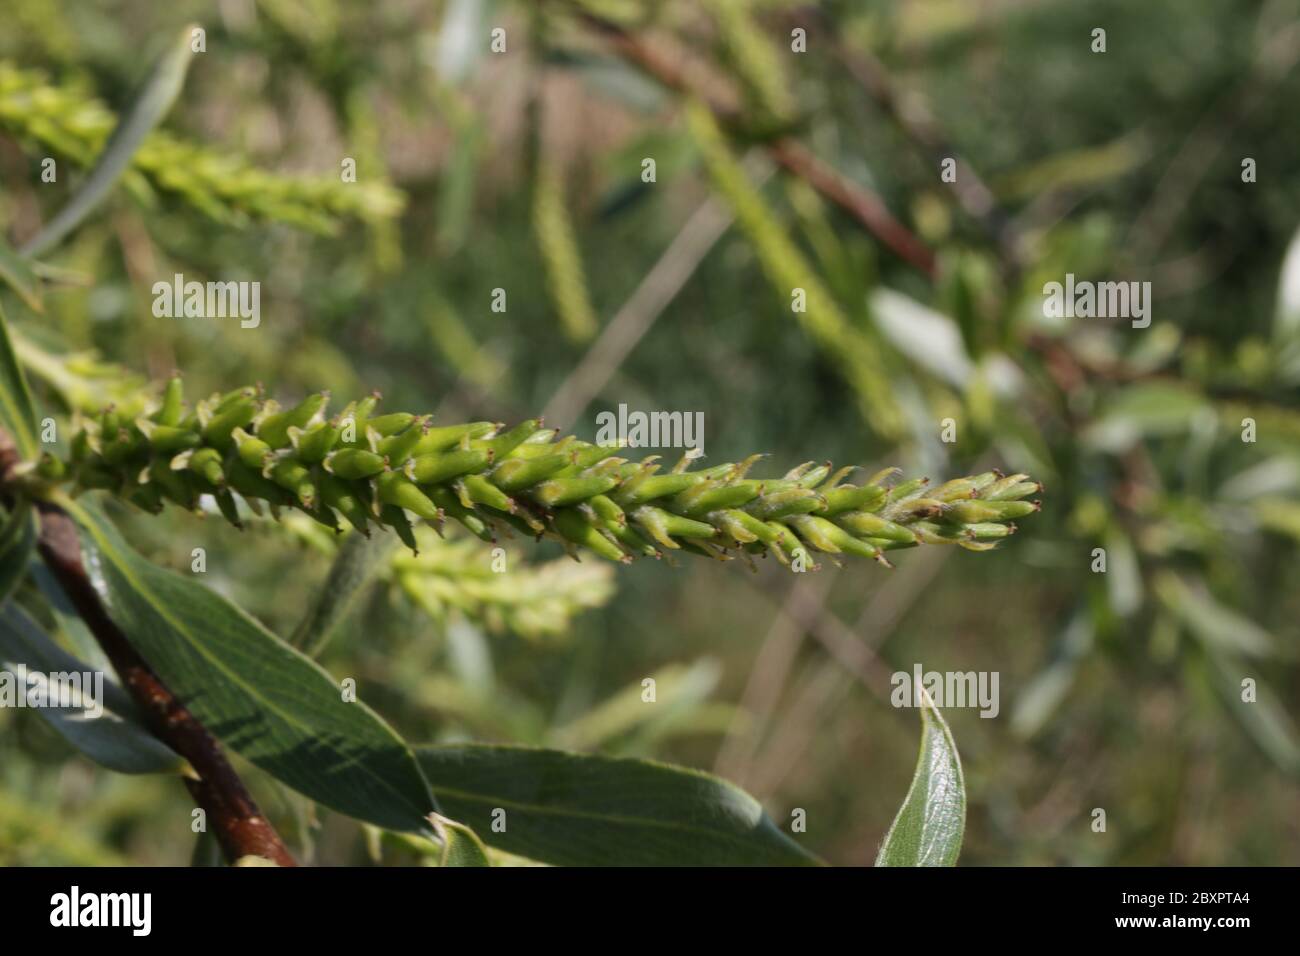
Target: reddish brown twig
[239, 826]
[859, 202]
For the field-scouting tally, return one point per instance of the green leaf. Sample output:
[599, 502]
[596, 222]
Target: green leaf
[16, 415]
[17, 538]
[265, 700]
[151, 105]
[115, 738]
[1215, 625]
[579, 810]
[460, 845]
[354, 567]
[18, 275]
[932, 819]
[1147, 409]
[1263, 719]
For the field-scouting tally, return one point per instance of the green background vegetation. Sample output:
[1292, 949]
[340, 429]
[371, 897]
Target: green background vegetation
[522, 171]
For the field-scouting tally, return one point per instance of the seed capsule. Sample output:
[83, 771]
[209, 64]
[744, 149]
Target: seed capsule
[506, 442]
[742, 526]
[396, 519]
[997, 489]
[866, 525]
[826, 536]
[346, 500]
[294, 476]
[252, 451]
[448, 436]
[229, 510]
[352, 463]
[779, 504]
[165, 439]
[206, 463]
[239, 414]
[664, 525]
[394, 488]
[313, 443]
[1017, 490]
[516, 474]
[572, 526]
[567, 491]
[274, 429]
[390, 424]
[446, 501]
[583, 457]
[476, 490]
[906, 489]
[437, 468]
[397, 448]
[851, 498]
[709, 496]
[173, 403]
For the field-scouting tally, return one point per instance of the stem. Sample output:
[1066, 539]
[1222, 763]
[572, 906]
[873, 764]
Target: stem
[237, 823]
[859, 202]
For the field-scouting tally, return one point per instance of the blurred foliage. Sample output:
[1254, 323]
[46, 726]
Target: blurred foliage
[1121, 690]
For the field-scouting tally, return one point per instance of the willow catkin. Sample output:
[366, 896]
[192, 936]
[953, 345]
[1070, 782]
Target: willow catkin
[75, 126]
[754, 58]
[787, 269]
[366, 468]
[561, 256]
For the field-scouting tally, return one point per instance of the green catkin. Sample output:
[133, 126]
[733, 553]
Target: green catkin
[561, 256]
[524, 479]
[64, 122]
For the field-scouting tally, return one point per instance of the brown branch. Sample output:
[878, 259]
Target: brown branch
[240, 827]
[859, 202]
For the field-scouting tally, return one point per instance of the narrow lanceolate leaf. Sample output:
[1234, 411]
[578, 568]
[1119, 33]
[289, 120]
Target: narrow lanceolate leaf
[18, 275]
[152, 104]
[579, 810]
[353, 569]
[258, 695]
[102, 724]
[16, 415]
[17, 538]
[932, 819]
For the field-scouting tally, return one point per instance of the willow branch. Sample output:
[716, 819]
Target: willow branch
[862, 204]
[239, 826]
